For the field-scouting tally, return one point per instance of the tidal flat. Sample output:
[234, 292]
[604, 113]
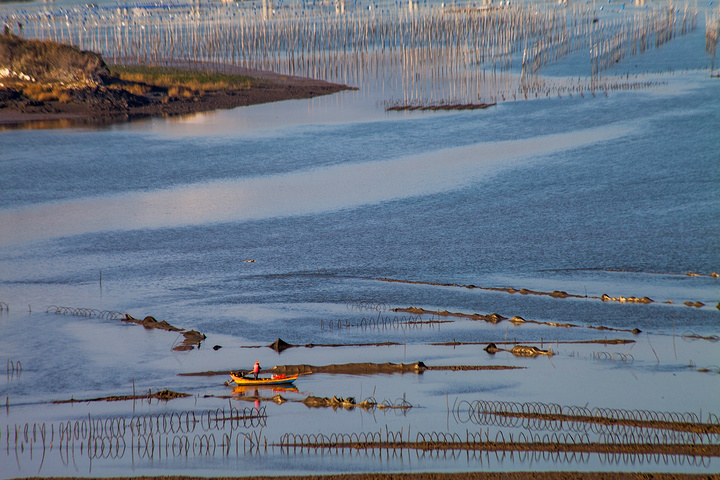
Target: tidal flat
[575, 230]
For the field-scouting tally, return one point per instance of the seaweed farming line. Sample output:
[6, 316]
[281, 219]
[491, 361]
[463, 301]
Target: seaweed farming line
[85, 312]
[145, 436]
[367, 305]
[694, 336]
[381, 322]
[485, 441]
[438, 55]
[432, 445]
[572, 458]
[560, 294]
[607, 356]
[712, 31]
[602, 433]
[554, 416]
[495, 457]
[139, 425]
[149, 446]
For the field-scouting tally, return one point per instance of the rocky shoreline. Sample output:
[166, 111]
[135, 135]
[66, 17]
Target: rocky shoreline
[48, 81]
[98, 104]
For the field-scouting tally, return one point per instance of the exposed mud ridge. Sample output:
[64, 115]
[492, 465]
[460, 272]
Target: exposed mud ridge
[686, 274]
[337, 402]
[517, 320]
[280, 345]
[607, 298]
[151, 322]
[370, 368]
[538, 475]
[469, 368]
[161, 395]
[357, 369]
[525, 291]
[439, 107]
[612, 341]
[348, 403]
[192, 338]
[520, 350]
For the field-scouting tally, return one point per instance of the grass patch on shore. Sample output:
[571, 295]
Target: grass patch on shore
[180, 80]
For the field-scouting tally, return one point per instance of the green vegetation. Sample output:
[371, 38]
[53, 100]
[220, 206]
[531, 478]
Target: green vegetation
[180, 81]
[50, 71]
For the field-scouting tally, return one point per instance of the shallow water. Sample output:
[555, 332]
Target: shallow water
[612, 195]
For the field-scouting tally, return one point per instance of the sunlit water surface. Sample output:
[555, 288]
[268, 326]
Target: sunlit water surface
[612, 195]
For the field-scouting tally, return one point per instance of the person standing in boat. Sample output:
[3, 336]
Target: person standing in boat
[256, 369]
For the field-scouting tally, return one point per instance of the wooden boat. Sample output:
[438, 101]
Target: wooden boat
[241, 379]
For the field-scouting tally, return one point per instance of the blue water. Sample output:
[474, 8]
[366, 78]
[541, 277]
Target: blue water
[616, 195]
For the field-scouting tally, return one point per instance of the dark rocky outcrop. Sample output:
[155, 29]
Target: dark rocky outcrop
[46, 61]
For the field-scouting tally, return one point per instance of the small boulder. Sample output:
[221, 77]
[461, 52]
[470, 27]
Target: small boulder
[279, 345]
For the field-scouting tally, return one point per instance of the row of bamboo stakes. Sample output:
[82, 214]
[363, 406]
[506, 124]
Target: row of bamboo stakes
[712, 31]
[427, 54]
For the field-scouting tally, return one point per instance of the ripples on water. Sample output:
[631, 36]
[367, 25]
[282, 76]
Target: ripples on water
[591, 196]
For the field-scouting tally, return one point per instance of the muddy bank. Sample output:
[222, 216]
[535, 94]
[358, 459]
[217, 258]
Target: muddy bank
[99, 106]
[539, 475]
[311, 401]
[497, 318]
[161, 395]
[280, 345]
[191, 338]
[358, 369]
[525, 291]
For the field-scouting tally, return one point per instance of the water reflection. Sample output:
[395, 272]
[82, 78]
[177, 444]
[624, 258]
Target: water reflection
[297, 193]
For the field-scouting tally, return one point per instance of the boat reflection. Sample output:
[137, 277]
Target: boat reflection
[255, 390]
